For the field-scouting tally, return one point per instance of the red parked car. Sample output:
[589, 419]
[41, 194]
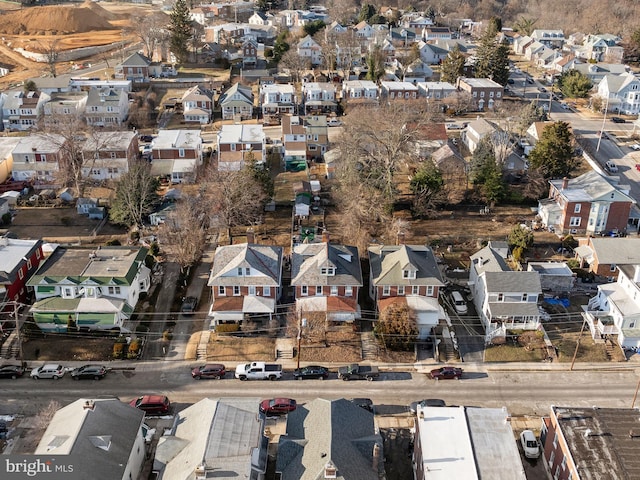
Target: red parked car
[446, 373]
[277, 406]
[152, 404]
[210, 370]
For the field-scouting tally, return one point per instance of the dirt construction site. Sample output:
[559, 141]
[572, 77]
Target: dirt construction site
[63, 27]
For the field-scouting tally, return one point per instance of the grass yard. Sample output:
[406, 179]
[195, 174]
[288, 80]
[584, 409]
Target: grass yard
[513, 353]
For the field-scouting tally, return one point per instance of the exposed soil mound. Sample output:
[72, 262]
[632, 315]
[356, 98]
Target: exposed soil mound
[56, 20]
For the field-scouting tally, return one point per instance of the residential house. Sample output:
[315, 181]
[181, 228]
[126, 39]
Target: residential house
[586, 205]
[363, 30]
[435, 33]
[294, 143]
[197, 105]
[398, 91]
[107, 155]
[484, 92]
[214, 438]
[37, 157]
[317, 134]
[327, 278]
[309, 49]
[319, 98]
[330, 439]
[82, 84]
[19, 259]
[533, 135]
[7, 145]
[453, 168]
[416, 72]
[407, 274]
[177, 154]
[276, 100]
[602, 255]
[97, 289]
[474, 133]
[430, 137]
[245, 281]
[249, 53]
[260, 18]
[236, 103]
[597, 71]
[238, 143]
[549, 38]
[402, 37]
[465, 442]
[504, 299]
[532, 50]
[136, 68]
[360, 93]
[521, 43]
[435, 90]
[431, 54]
[575, 439]
[105, 438]
[107, 107]
[601, 48]
[620, 93]
[64, 107]
[555, 277]
[21, 110]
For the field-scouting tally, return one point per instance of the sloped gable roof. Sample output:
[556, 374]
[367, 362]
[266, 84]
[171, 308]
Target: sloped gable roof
[389, 262]
[308, 259]
[264, 259]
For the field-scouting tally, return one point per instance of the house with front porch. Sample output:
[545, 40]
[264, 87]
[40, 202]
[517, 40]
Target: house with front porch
[21, 110]
[197, 105]
[236, 103]
[614, 312]
[360, 93]
[409, 275]
[136, 68]
[238, 143]
[602, 255]
[245, 281]
[590, 204]
[620, 93]
[107, 107]
[177, 154]
[276, 100]
[504, 299]
[309, 49]
[64, 108]
[319, 98]
[398, 91]
[107, 155]
[89, 289]
[327, 278]
[37, 157]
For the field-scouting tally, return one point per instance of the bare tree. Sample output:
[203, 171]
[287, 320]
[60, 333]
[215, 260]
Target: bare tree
[136, 196]
[294, 63]
[237, 198]
[151, 30]
[44, 416]
[349, 52]
[183, 235]
[51, 50]
[327, 42]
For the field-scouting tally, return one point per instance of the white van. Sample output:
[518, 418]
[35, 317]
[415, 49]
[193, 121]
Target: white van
[459, 302]
[611, 167]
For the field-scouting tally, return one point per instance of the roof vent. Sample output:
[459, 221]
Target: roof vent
[88, 405]
[330, 470]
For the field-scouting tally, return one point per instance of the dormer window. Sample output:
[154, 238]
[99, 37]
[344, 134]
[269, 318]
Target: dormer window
[328, 271]
[408, 274]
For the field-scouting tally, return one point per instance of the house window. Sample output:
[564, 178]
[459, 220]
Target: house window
[501, 297]
[328, 271]
[181, 152]
[555, 443]
[415, 290]
[304, 290]
[632, 325]
[386, 290]
[613, 267]
[577, 207]
[236, 290]
[38, 254]
[113, 155]
[114, 290]
[563, 465]
[574, 222]
[266, 291]
[20, 274]
[334, 290]
[29, 264]
[400, 289]
[524, 297]
[239, 271]
[67, 292]
[247, 271]
[348, 291]
[319, 290]
[232, 147]
[90, 292]
[252, 289]
[221, 290]
[430, 290]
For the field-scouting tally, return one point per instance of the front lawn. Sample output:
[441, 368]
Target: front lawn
[513, 353]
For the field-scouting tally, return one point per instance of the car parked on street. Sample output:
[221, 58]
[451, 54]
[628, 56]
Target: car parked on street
[277, 406]
[152, 404]
[446, 373]
[530, 444]
[11, 371]
[189, 305]
[428, 402]
[95, 372]
[618, 120]
[209, 370]
[610, 167]
[48, 370]
[635, 146]
[312, 371]
[145, 138]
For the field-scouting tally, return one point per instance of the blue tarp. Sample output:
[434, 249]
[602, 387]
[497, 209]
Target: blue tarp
[558, 301]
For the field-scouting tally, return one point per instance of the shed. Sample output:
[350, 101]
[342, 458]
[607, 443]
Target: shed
[66, 195]
[83, 205]
[555, 277]
[97, 213]
[11, 198]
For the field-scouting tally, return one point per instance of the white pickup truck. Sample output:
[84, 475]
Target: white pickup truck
[258, 371]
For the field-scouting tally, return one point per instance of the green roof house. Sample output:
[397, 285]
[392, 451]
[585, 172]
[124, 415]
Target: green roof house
[93, 288]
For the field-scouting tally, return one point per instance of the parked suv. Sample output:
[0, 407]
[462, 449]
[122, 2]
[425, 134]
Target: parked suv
[210, 370]
[152, 404]
[611, 167]
[48, 370]
[95, 372]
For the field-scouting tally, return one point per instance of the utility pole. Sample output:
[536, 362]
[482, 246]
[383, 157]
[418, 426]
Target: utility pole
[575, 353]
[635, 395]
[301, 323]
[604, 118]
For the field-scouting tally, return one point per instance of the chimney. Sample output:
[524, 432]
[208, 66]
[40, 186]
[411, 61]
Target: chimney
[88, 405]
[400, 238]
[251, 237]
[565, 183]
[325, 236]
[200, 472]
[376, 457]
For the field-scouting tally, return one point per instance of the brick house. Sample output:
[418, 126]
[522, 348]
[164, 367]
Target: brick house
[327, 278]
[236, 142]
[136, 68]
[177, 154]
[19, 259]
[602, 255]
[37, 157]
[586, 205]
[245, 281]
[484, 92]
[107, 155]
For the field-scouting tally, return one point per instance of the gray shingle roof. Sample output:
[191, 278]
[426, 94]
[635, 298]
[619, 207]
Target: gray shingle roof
[388, 262]
[308, 259]
[323, 431]
[264, 260]
[488, 260]
[505, 282]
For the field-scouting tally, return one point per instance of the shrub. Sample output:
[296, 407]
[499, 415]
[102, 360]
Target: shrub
[118, 349]
[114, 242]
[6, 219]
[227, 328]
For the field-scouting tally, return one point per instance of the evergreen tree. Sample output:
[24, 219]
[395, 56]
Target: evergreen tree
[375, 64]
[181, 31]
[452, 66]
[553, 154]
[492, 57]
[574, 84]
[487, 176]
[425, 185]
